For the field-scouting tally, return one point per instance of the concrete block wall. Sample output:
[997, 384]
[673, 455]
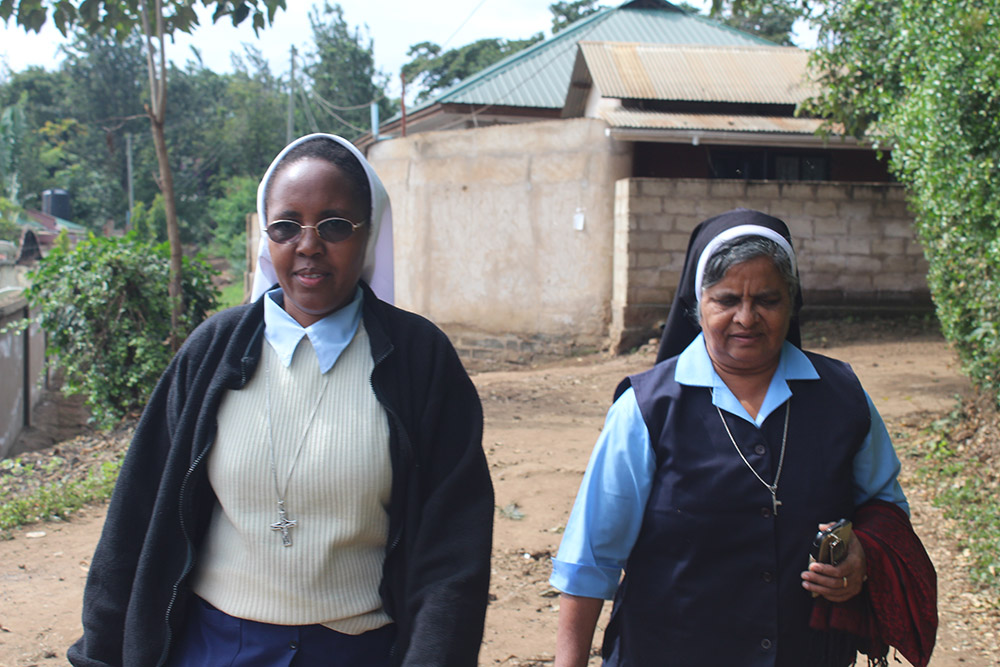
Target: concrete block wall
[855, 244]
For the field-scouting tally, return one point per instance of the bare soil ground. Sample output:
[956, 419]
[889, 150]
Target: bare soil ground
[541, 422]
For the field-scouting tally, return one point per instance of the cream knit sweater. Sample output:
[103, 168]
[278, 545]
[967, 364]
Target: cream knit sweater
[338, 493]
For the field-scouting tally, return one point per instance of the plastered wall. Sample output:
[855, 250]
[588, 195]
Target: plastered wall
[503, 234]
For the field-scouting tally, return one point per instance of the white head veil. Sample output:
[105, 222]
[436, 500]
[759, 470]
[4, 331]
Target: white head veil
[377, 269]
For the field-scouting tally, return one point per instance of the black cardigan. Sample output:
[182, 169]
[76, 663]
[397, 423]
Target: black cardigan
[435, 578]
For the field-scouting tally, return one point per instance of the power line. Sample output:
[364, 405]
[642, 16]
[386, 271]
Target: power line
[331, 105]
[476, 112]
[467, 18]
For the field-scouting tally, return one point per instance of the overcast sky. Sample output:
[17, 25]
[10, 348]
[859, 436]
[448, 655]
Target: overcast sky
[394, 25]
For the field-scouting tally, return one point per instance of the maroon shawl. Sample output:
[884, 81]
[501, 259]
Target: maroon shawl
[898, 607]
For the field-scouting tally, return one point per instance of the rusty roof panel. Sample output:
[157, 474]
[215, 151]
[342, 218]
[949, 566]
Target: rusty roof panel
[743, 74]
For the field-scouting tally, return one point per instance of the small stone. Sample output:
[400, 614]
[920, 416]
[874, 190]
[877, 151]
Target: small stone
[34, 535]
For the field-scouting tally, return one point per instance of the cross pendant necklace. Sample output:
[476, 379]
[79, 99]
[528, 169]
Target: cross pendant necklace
[775, 503]
[284, 523]
[773, 488]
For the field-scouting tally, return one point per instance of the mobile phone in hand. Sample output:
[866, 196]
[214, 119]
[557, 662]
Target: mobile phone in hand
[830, 545]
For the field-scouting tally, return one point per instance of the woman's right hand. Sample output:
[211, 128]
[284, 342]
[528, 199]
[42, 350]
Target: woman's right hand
[838, 583]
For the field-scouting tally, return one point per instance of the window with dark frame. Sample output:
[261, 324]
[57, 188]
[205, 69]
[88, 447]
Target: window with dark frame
[771, 165]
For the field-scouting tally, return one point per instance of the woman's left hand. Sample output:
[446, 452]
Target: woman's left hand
[838, 583]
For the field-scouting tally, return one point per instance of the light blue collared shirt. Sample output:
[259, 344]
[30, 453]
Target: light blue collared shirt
[329, 336]
[607, 514]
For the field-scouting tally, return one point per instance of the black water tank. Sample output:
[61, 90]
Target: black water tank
[56, 202]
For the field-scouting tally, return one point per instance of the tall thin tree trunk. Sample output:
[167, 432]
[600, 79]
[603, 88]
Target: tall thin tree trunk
[156, 110]
[166, 182]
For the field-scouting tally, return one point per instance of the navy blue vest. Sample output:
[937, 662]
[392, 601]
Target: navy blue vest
[713, 578]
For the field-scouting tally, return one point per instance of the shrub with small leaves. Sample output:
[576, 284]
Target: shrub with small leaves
[106, 311]
[920, 77]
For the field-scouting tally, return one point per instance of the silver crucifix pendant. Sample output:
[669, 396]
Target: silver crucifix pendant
[774, 501]
[283, 524]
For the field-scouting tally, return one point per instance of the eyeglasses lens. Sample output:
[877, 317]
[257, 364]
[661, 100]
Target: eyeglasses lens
[332, 230]
[283, 231]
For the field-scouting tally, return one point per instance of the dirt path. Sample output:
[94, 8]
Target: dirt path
[540, 426]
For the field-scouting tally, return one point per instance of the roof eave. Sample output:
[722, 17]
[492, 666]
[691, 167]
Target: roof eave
[697, 137]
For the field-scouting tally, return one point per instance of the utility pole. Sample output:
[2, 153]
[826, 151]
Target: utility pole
[402, 102]
[291, 100]
[128, 170]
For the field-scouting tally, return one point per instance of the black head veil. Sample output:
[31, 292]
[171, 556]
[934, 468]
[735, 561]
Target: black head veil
[681, 327]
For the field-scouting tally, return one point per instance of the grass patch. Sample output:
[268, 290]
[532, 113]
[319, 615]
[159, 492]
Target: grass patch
[57, 500]
[231, 295]
[959, 469]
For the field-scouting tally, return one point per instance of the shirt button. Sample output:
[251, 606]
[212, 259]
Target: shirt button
[765, 643]
[760, 450]
[767, 577]
[293, 645]
[765, 512]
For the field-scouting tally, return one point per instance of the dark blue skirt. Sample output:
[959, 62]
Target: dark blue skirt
[212, 638]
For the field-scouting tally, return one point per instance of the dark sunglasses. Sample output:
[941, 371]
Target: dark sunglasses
[331, 230]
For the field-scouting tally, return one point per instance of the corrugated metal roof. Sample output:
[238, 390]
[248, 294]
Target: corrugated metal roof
[659, 120]
[539, 76]
[748, 74]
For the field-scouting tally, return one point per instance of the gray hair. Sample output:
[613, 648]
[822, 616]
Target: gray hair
[743, 249]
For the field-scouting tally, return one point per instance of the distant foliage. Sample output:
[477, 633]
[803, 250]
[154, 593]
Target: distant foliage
[434, 70]
[920, 77]
[567, 12]
[9, 230]
[105, 308]
[228, 215]
[770, 19]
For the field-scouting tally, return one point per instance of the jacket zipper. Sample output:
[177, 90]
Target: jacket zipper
[190, 560]
[184, 529]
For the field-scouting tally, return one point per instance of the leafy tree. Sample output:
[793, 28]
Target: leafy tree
[770, 19]
[149, 222]
[12, 134]
[253, 129]
[41, 95]
[9, 211]
[434, 70]
[103, 91]
[228, 214]
[567, 12]
[157, 19]
[919, 77]
[105, 308]
[342, 70]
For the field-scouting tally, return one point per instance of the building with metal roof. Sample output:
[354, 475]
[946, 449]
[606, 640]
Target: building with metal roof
[554, 213]
[532, 84]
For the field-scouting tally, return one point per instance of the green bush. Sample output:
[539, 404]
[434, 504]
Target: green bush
[228, 215]
[920, 78]
[106, 310]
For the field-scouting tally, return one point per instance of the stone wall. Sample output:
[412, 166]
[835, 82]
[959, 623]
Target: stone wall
[502, 235]
[854, 243]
